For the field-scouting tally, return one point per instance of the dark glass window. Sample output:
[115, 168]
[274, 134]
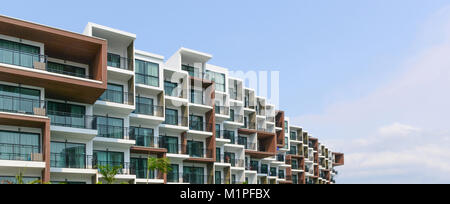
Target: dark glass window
[66, 69]
[147, 73]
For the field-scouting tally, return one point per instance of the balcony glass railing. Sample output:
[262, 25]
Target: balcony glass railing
[72, 120]
[222, 110]
[229, 135]
[119, 62]
[196, 125]
[19, 58]
[117, 97]
[144, 140]
[189, 178]
[124, 166]
[171, 144]
[22, 105]
[147, 80]
[20, 152]
[72, 161]
[150, 110]
[173, 91]
[114, 132]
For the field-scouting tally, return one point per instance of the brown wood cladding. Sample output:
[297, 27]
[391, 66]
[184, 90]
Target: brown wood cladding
[35, 122]
[62, 45]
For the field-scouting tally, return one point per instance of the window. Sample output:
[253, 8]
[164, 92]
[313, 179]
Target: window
[18, 99]
[114, 60]
[293, 136]
[293, 150]
[273, 171]
[294, 164]
[218, 131]
[173, 175]
[218, 155]
[294, 179]
[196, 122]
[193, 175]
[254, 166]
[67, 115]
[231, 115]
[19, 146]
[243, 141]
[170, 143]
[195, 149]
[229, 135]
[66, 69]
[197, 96]
[105, 158]
[144, 136]
[139, 167]
[286, 127]
[218, 176]
[218, 78]
[19, 54]
[171, 89]
[286, 142]
[171, 117]
[114, 94]
[233, 179]
[193, 71]
[147, 73]
[230, 158]
[67, 155]
[110, 127]
[264, 168]
[144, 106]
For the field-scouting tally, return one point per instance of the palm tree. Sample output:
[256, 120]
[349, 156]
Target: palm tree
[160, 164]
[109, 173]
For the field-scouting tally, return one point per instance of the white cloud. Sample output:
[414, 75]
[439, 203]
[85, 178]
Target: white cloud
[400, 132]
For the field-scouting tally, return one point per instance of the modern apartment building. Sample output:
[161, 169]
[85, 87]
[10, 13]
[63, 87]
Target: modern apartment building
[70, 103]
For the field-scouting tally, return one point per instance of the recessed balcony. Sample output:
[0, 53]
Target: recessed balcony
[32, 66]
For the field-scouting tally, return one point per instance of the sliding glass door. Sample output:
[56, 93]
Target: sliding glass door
[68, 155]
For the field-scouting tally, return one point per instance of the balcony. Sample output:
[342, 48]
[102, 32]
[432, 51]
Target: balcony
[147, 80]
[280, 158]
[173, 120]
[252, 166]
[149, 110]
[117, 97]
[229, 135]
[200, 126]
[124, 166]
[189, 178]
[17, 152]
[71, 161]
[172, 146]
[144, 140]
[222, 110]
[116, 61]
[195, 152]
[22, 105]
[236, 119]
[18, 66]
[113, 132]
[72, 120]
[172, 91]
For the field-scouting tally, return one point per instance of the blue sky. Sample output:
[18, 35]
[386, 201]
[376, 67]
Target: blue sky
[337, 60]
